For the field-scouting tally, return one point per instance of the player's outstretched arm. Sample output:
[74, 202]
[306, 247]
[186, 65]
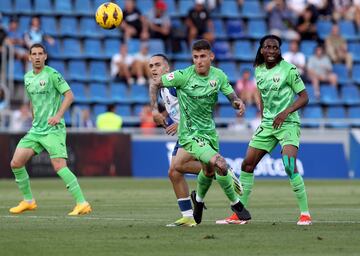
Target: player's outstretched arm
[68, 99]
[154, 87]
[236, 103]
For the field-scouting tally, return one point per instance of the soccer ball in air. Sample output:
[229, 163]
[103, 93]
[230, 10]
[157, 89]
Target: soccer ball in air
[108, 15]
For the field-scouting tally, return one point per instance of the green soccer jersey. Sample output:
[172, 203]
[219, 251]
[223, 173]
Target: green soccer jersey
[197, 97]
[278, 87]
[45, 92]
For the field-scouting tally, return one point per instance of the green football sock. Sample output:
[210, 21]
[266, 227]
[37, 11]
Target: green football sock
[23, 182]
[226, 183]
[298, 186]
[247, 181]
[203, 184]
[71, 184]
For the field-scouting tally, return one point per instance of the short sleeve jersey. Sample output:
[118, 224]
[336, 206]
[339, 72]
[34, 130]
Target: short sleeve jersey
[278, 87]
[45, 92]
[197, 97]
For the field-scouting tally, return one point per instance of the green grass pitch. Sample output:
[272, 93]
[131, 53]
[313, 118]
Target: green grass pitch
[129, 218]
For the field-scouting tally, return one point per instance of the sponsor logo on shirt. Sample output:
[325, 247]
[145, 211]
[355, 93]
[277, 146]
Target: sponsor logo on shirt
[170, 76]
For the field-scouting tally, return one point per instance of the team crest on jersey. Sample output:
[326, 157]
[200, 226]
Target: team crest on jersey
[276, 78]
[212, 83]
[42, 83]
[170, 76]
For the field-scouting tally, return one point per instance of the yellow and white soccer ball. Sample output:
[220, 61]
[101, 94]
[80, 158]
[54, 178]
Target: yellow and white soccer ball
[109, 15]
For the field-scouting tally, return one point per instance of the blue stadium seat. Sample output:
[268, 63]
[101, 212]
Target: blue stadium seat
[156, 46]
[252, 9]
[250, 112]
[227, 112]
[67, 117]
[79, 91]
[222, 99]
[54, 51]
[348, 30]
[171, 8]
[230, 70]
[244, 66]
[137, 109]
[93, 49]
[97, 110]
[356, 73]
[111, 47]
[184, 7]
[119, 93]
[222, 50]
[307, 47]
[59, 65]
[285, 46]
[63, 7]
[350, 95]
[354, 49]
[235, 29]
[354, 113]
[144, 6]
[257, 29]
[98, 71]
[229, 9]
[6, 7]
[312, 98]
[337, 112]
[123, 110]
[49, 26]
[312, 112]
[84, 7]
[329, 95]
[219, 29]
[244, 50]
[99, 93]
[323, 28]
[89, 28]
[22, 6]
[18, 70]
[139, 94]
[68, 26]
[181, 64]
[342, 73]
[77, 70]
[133, 45]
[71, 48]
[43, 7]
[24, 23]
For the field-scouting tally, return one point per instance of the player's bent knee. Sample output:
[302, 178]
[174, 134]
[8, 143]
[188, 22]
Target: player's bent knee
[14, 164]
[220, 165]
[173, 174]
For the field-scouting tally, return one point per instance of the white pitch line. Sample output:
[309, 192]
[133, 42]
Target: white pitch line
[165, 220]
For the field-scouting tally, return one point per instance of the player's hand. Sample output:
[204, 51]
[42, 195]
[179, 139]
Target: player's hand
[239, 105]
[171, 129]
[159, 119]
[279, 119]
[54, 120]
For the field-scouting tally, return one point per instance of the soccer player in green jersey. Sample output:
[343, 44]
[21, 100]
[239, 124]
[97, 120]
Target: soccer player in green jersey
[181, 161]
[197, 89]
[278, 83]
[45, 88]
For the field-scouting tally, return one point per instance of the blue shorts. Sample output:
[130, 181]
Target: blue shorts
[177, 146]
